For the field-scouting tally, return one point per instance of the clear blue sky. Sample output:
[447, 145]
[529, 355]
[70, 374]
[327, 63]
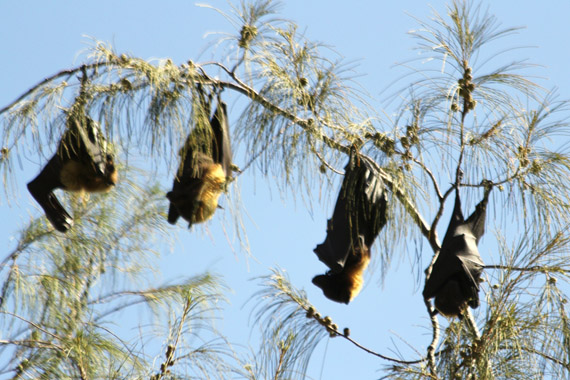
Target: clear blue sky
[40, 38]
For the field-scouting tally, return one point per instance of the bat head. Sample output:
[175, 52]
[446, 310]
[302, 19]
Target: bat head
[346, 285]
[335, 287]
[111, 175]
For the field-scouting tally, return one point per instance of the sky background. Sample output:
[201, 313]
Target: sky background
[40, 38]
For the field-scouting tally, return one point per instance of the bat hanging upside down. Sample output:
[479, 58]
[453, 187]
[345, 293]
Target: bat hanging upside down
[81, 163]
[358, 217]
[454, 280]
[204, 171]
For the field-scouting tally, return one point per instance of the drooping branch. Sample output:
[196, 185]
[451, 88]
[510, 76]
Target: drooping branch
[64, 73]
[283, 297]
[435, 339]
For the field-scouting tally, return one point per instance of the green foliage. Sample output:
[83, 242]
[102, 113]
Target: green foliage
[61, 293]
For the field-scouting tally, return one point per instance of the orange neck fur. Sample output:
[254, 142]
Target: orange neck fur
[76, 176]
[355, 273]
[213, 184]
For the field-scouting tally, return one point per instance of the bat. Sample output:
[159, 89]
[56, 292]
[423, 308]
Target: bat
[81, 163]
[454, 280]
[343, 286]
[206, 167]
[358, 216]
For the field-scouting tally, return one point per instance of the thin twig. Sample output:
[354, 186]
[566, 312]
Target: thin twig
[535, 268]
[472, 323]
[340, 334]
[435, 338]
[60, 74]
[431, 176]
[408, 205]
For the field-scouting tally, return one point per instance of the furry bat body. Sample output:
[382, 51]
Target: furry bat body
[204, 171]
[454, 281]
[358, 217]
[81, 163]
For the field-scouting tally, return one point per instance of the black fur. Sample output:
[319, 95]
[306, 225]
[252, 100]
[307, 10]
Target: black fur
[358, 217]
[80, 163]
[454, 281]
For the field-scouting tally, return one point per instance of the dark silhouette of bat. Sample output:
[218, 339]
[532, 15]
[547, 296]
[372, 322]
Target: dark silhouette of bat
[358, 217]
[454, 280]
[81, 163]
[205, 168]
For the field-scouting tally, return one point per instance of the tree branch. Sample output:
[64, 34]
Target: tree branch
[435, 338]
[63, 73]
[534, 268]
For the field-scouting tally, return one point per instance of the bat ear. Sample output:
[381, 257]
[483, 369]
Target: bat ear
[319, 280]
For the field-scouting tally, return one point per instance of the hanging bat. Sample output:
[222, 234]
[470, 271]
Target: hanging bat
[345, 285]
[81, 163]
[204, 171]
[454, 280]
[358, 217]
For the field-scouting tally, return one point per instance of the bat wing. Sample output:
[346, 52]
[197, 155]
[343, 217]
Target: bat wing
[459, 267]
[446, 266]
[459, 259]
[221, 146]
[476, 221]
[472, 267]
[197, 149]
[337, 245]
[359, 214]
[41, 188]
[83, 142]
[373, 216]
[457, 219]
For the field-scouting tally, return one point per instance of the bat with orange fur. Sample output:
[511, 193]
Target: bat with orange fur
[81, 163]
[358, 216]
[204, 171]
